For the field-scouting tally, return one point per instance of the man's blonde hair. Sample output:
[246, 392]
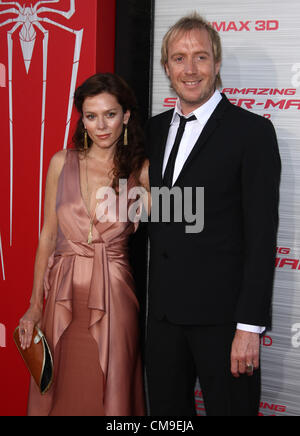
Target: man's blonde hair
[186, 24]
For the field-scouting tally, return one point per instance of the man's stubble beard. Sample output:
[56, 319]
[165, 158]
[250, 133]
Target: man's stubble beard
[200, 100]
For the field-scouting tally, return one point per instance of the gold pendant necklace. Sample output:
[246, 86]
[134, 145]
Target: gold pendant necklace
[90, 237]
[92, 218]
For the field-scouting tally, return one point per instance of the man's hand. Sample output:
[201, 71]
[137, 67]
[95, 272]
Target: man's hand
[244, 353]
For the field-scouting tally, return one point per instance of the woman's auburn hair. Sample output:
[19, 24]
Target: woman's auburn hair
[130, 158]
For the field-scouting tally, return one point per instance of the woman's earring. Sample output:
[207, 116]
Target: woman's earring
[86, 144]
[126, 135]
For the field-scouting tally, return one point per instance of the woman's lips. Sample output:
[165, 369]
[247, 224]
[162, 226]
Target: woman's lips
[103, 136]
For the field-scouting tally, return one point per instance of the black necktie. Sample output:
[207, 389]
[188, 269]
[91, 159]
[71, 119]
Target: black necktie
[169, 172]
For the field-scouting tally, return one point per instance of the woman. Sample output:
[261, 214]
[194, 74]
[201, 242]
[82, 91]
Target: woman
[91, 313]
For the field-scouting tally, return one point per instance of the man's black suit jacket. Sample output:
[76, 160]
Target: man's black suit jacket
[225, 273]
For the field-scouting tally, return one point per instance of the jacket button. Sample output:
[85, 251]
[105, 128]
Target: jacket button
[165, 255]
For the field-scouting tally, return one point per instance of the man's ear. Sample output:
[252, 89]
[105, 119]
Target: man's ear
[218, 67]
[167, 69]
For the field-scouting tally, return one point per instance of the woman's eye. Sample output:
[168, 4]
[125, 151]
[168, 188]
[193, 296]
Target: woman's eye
[111, 114]
[90, 117]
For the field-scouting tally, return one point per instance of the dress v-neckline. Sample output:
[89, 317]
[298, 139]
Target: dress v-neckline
[81, 195]
[79, 188]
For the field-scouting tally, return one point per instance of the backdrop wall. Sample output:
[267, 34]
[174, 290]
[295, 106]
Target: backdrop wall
[40, 65]
[261, 72]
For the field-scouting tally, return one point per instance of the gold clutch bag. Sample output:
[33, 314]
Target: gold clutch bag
[38, 359]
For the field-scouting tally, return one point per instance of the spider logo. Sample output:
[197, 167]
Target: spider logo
[27, 21]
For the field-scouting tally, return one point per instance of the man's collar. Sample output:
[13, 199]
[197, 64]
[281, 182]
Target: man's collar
[202, 113]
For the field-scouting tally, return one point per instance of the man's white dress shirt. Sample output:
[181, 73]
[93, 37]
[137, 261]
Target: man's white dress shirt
[193, 130]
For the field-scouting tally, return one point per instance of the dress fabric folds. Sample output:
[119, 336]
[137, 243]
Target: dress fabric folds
[91, 312]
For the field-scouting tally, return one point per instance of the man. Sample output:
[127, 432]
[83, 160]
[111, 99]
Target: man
[209, 292]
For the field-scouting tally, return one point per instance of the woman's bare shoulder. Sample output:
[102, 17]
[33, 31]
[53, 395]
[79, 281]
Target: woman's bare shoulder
[57, 163]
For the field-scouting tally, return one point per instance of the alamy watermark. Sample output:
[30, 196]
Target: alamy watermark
[167, 205]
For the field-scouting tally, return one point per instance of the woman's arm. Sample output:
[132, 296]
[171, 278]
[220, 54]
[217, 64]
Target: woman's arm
[45, 248]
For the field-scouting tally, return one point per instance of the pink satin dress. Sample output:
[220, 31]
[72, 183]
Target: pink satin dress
[91, 313]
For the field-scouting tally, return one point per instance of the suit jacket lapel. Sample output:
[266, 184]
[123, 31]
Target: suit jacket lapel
[210, 127]
[162, 135]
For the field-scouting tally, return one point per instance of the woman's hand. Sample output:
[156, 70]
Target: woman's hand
[32, 318]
